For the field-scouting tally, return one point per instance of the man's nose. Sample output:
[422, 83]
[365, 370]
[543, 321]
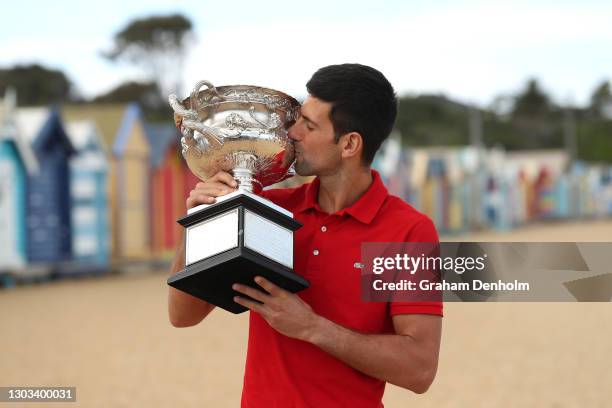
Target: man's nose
[293, 132]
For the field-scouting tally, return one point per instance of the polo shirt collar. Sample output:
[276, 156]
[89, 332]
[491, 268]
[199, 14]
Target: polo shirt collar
[363, 210]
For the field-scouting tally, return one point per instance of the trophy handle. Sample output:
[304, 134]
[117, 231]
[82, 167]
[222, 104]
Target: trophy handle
[195, 101]
[192, 113]
[179, 109]
[187, 118]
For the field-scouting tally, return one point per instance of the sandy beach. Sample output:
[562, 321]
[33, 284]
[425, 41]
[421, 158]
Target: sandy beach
[110, 338]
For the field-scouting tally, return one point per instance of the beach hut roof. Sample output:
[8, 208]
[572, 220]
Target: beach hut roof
[30, 121]
[160, 137]
[84, 134]
[36, 125]
[132, 115]
[9, 130]
[107, 118]
[86, 138]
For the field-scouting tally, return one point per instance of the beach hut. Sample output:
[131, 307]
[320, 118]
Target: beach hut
[454, 191]
[89, 196]
[562, 197]
[167, 187]
[131, 156]
[48, 192]
[436, 188]
[544, 187]
[418, 160]
[387, 160]
[17, 163]
[122, 129]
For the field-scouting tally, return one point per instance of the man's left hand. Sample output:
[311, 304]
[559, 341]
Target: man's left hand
[284, 311]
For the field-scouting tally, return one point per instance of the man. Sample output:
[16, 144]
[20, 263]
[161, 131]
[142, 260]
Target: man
[325, 347]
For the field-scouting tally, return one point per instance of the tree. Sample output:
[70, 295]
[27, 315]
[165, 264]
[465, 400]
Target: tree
[532, 102]
[143, 92]
[432, 120]
[601, 101]
[536, 122]
[158, 45]
[36, 85]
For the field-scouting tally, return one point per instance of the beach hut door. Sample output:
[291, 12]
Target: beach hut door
[8, 213]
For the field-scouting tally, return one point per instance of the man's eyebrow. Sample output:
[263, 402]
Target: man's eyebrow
[308, 119]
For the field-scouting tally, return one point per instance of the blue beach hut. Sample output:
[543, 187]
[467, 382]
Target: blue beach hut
[89, 196]
[48, 193]
[17, 162]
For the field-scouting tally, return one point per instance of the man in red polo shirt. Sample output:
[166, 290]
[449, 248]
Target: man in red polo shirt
[325, 347]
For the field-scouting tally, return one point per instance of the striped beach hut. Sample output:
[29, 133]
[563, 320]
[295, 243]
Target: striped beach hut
[48, 192]
[89, 195]
[17, 163]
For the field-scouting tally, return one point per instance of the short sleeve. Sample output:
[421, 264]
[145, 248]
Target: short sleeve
[423, 231]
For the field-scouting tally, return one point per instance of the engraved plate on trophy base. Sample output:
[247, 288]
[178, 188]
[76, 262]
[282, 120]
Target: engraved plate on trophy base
[232, 241]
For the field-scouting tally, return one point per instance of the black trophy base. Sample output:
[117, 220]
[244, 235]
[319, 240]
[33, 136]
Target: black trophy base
[212, 278]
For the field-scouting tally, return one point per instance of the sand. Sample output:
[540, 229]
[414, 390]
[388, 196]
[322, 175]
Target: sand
[110, 338]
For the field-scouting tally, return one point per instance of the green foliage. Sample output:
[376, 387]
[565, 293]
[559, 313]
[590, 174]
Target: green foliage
[144, 93]
[35, 85]
[142, 37]
[532, 102]
[600, 98]
[158, 45]
[533, 121]
[500, 133]
[595, 140]
[130, 92]
[431, 120]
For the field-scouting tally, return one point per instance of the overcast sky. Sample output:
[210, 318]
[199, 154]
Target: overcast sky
[468, 50]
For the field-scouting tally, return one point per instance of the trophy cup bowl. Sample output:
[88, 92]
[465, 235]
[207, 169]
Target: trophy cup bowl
[240, 129]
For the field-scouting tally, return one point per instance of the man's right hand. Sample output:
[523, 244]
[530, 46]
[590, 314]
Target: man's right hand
[207, 191]
[185, 310]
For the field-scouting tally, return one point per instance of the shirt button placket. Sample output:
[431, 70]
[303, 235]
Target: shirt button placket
[317, 251]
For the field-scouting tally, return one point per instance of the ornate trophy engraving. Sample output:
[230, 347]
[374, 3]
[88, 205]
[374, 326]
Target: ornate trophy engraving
[240, 129]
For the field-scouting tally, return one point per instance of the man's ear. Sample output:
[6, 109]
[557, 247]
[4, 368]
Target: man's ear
[352, 144]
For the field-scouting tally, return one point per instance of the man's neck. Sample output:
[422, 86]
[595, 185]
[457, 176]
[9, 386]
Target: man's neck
[343, 189]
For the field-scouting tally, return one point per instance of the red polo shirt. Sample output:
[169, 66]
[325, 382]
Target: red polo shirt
[284, 372]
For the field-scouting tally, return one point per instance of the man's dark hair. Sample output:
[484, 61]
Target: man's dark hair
[362, 101]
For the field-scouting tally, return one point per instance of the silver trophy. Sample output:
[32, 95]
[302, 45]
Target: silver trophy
[242, 130]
